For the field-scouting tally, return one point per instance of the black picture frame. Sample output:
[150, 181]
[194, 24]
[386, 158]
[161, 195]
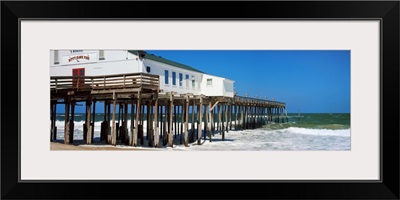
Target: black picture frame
[386, 11]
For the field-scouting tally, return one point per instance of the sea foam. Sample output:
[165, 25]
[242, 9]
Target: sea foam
[319, 132]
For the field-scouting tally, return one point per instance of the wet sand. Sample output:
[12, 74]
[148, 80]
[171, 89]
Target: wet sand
[62, 147]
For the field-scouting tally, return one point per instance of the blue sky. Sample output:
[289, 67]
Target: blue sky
[312, 81]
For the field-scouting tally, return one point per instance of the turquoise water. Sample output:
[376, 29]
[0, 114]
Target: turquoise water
[331, 121]
[310, 131]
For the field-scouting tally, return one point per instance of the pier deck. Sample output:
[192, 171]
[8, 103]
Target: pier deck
[138, 94]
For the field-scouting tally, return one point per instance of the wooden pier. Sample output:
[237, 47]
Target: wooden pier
[167, 114]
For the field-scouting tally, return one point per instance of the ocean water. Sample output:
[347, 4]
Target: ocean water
[307, 132]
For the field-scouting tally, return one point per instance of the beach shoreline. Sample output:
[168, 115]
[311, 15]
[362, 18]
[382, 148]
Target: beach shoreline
[67, 147]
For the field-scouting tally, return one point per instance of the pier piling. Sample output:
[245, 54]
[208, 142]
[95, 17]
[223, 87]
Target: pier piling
[166, 114]
[200, 121]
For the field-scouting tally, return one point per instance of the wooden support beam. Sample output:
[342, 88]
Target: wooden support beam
[140, 133]
[140, 125]
[242, 117]
[132, 129]
[125, 124]
[51, 119]
[167, 119]
[186, 122]
[287, 119]
[85, 127]
[102, 130]
[219, 119]
[72, 123]
[193, 122]
[216, 103]
[205, 129]
[93, 121]
[259, 116]
[262, 116]
[88, 121]
[253, 116]
[166, 126]
[270, 114]
[148, 127]
[135, 133]
[170, 134]
[277, 114]
[181, 124]
[121, 127]
[175, 115]
[155, 131]
[113, 129]
[109, 130]
[283, 115]
[265, 115]
[55, 120]
[246, 117]
[236, 117]
[210, 121]
[182, 120]
[230, 116]
[66, 121]
[53, 131]
[160, 122]
[250, 117]
[200, 121]
[226, 108]
[66, 133]
[120, 107]
[222, 122]
[197, 116]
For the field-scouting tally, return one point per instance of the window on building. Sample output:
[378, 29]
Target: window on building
[101, 55]
[173, 78]
[187, 80]
[180, 79]
[56, 60]
[209, 81]
[166, 77]
[193, 82]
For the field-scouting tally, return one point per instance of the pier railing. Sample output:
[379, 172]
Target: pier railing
[109, 82]
[259, 101]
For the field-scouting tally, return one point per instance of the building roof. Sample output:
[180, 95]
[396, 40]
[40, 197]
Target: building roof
[163, 60]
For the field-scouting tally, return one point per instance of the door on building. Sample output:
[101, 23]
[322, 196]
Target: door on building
[78, 82]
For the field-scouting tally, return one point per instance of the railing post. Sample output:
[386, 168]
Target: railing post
[124, 80]
[77, 83]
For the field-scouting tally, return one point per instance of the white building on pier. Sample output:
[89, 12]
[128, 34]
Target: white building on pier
[174, 76]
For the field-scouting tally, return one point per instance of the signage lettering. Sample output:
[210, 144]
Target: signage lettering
[78, 57]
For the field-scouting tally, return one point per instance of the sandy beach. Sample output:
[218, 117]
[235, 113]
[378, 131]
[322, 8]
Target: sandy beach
[63, 147]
